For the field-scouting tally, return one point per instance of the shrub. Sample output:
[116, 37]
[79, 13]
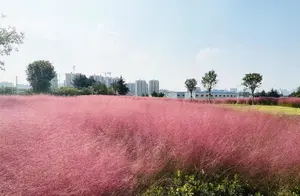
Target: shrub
[67, 91]
[290, 102]
[110, 145]
[200, 184]
[7, 91]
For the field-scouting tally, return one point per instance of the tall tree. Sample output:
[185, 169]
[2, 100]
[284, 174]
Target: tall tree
[91, 81]
[190, 85]
[295, 93]
[115, 87]
[9, 40]
[252, 81]
[209, 81]
[39, 74]
[81, 81]
[122, 87]
[273, 93]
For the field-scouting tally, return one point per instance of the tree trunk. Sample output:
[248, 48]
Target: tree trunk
[191, 95]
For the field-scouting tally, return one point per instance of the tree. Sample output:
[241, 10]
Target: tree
[8, 90]
[91, 81]
[252, 81]
[295, 93]
[81, 81]
[39, 74]
[191, 84]
[273, 93]
[261, 94]
[209, 81]
[9, 40]
[121, 86]
[100, 89]
[161, 94]
[154, 94]
[115, 87]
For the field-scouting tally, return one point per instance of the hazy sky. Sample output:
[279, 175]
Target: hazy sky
[168, 40]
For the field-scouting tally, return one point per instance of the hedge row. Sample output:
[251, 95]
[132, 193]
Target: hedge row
[286, 101]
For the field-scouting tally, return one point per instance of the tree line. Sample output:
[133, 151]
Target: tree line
[250, 81]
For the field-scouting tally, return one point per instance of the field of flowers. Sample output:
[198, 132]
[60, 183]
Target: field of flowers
[109, 145]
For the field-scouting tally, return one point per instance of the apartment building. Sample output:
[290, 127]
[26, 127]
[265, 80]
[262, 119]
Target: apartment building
[153, 86]
[141, 88]
[131, 87]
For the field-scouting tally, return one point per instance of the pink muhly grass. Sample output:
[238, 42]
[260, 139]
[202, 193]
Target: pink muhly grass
[103, 145]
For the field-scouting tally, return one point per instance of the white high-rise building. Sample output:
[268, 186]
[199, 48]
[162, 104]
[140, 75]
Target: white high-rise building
[109, 80]
[69, 79]
[141, 87]
[131, 87]
[99, 78]
[153, 86]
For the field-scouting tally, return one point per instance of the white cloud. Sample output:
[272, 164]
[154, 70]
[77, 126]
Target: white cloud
[207, 54]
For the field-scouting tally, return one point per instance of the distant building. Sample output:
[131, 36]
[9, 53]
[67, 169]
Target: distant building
[141, 87]
[176, 95]
[233, 90]
[153, 86]
[131, 87]
[216, 94]
[202, 95]
[6, 84]
[99, 78]
[244, 94]
[69, 79]
[108, 81]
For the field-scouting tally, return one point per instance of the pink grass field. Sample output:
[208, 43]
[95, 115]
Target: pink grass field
[103, 145]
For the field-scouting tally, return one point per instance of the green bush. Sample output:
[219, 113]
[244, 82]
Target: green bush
[200, 184]
[7, 91]
[67, 91]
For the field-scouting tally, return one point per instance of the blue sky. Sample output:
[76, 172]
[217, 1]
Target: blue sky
[165, 40]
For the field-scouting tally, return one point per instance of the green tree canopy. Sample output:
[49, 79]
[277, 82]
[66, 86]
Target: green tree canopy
[209, 81]
[154, 94]
[295, 93]
[273, 93]
[261, 94]
[39, 74]
[190, 85]
[161, 94]
[252, 81]
[9, 40]
[100, 89]
[122, 88]
[81, 81]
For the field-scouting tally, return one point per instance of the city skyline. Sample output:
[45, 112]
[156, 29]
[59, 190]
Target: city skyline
[169, 41]
[66, 81]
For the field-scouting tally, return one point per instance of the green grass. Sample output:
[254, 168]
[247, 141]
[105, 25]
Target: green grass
[267, 108]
